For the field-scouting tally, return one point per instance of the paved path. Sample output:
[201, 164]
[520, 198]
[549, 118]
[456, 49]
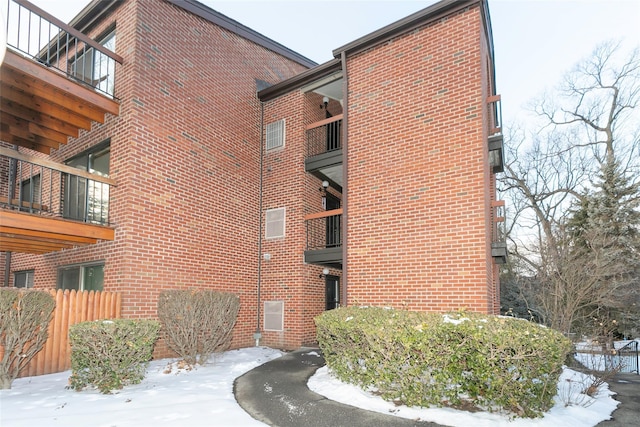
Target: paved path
[627, 388]
[276, 394]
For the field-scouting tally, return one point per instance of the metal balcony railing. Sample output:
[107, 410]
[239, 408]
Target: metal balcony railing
[324, 230]
[498, 216]
[39, 186]
[324, 136]
[495, 139]
[495, 114]
[36, 34]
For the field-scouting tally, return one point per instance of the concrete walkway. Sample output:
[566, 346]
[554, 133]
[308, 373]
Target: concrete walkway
[627, 389]
[276, 394]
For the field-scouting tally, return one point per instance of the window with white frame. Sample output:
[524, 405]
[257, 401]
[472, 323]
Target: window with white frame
[84, 277]
[23, 279]
[275, 135]
[275, 223]
[274, 315]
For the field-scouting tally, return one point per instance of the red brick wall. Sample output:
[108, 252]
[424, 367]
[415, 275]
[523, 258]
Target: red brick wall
[185, 155]
[286, 184]
[418, 180]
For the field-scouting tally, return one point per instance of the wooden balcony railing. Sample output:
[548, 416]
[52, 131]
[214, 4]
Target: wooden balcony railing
[46, 39]
[324, 136]
[39, 186]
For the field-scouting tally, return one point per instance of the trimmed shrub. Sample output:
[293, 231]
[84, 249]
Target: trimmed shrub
[197, 323]
[24, 329]
[462, 360]
[110, 354]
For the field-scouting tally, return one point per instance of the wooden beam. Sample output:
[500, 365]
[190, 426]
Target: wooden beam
[7, 152]
[24, 134]
[34, 234]
[21, 244]
[31, 71]
[22, 112]
[14, 140]
[51, 107]
[24, 221]
[323, 214]
[324, 122]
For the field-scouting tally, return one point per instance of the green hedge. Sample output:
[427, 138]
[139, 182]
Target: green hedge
[110, 354]
[461, 360]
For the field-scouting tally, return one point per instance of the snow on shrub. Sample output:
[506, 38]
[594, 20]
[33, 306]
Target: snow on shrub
[462, 360]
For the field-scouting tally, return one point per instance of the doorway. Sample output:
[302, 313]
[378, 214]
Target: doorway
[332, 292]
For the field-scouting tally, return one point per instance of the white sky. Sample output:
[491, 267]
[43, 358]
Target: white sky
[536, 41]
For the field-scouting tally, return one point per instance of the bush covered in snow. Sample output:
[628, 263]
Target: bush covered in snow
[462, 360]
[197, 323]
[110, 354]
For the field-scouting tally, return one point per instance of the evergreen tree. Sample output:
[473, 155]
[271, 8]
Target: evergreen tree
[604, 228]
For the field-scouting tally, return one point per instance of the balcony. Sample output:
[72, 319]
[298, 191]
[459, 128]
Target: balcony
[46, 207]
[54, 80]
[495, 140]
[324, 150]
[498, 237]
[324, 238]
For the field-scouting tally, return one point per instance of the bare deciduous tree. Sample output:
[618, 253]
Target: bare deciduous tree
[591, 124]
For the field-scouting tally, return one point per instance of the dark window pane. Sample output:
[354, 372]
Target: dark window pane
[93, 278]
[69, 278]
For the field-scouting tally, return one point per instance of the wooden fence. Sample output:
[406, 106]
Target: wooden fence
[71, 307]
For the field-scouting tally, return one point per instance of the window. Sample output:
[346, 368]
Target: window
[275, 223]
[23, 279]
[274, 315]
[30, 189]
[95, 68]
[275, 135]
[84, 199]
[88, 277]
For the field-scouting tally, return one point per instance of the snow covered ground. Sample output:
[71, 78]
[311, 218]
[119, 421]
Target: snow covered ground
[204, 397]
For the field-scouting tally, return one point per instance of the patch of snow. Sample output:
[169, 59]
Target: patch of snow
[448, 319]
[561, 414]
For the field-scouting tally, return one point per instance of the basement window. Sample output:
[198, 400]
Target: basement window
[86, 277]
[275, 135]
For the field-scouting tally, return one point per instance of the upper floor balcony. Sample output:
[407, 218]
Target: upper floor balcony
[54, 80]
[324, 150]
[46, 206]
[324, 238]
[495, 140]
[498, 232]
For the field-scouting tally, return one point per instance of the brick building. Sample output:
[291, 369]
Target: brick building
[234, 163]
